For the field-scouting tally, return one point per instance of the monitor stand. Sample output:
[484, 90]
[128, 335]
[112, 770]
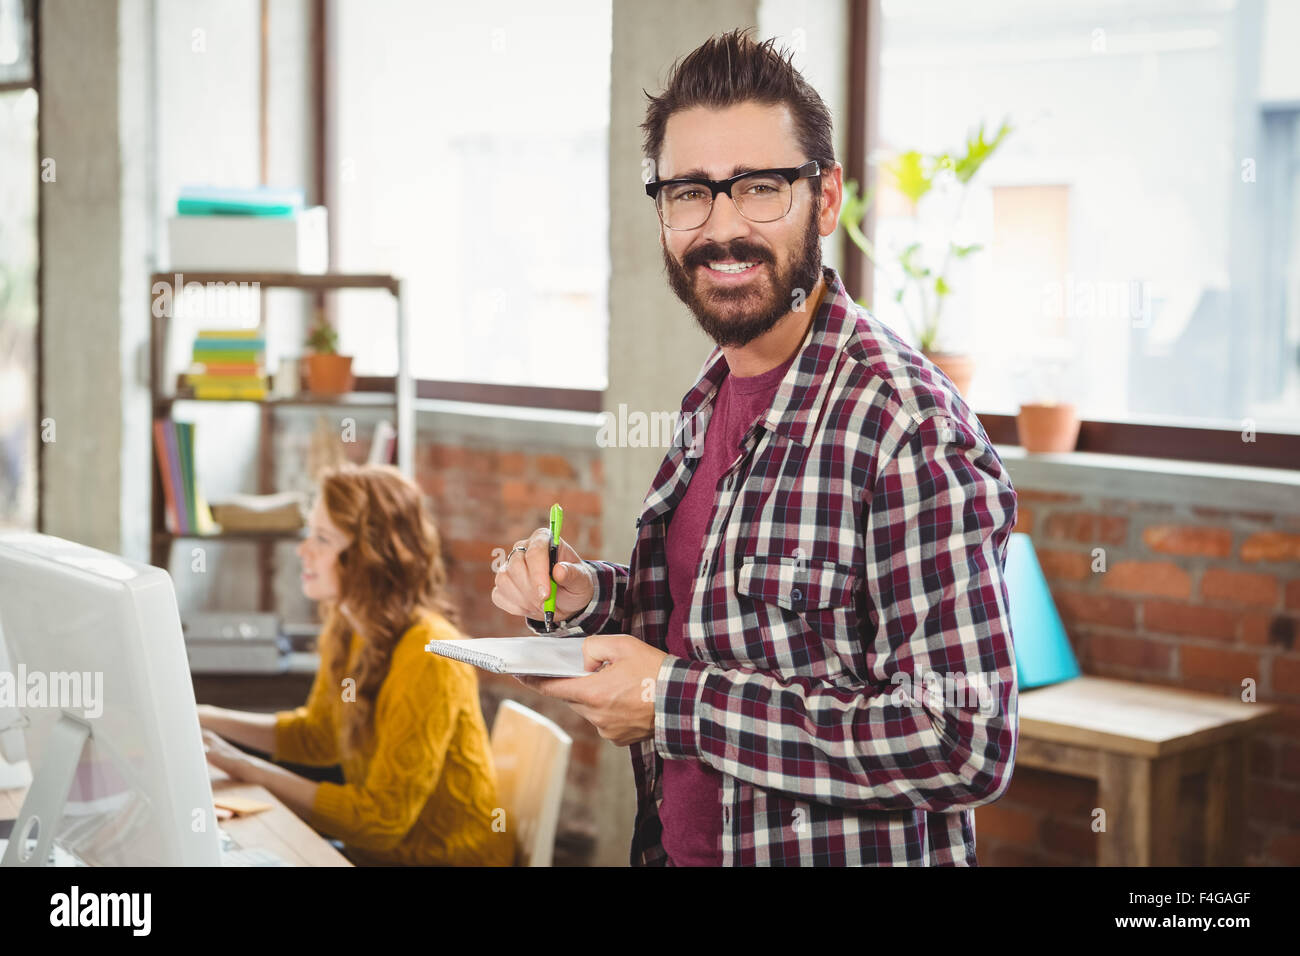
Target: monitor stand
[48, 794]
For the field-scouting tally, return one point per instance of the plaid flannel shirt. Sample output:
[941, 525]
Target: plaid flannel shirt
[851, 674]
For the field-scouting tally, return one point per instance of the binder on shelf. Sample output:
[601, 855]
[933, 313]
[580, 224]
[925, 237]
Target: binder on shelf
[224, 355]
[226, 368]
[174, 468]
[183, 436]
[204, 200]
[164, 469]
[205, 344]
[250, 392]
[229, 380]
[229, 333]
[186, 509]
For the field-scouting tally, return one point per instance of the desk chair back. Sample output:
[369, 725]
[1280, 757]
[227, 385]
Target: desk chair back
[531, 755]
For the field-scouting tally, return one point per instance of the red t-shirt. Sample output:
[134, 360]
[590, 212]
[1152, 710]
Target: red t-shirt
[691, 812]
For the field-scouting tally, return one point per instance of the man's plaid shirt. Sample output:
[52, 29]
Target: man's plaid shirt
[848, 610]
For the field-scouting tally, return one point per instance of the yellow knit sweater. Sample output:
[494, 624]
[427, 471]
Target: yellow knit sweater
[423, 789]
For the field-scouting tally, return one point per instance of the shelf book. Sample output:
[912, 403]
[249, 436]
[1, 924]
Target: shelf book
[186, 510]
[228, 363]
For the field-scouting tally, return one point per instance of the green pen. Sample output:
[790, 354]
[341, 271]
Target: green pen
[548, 608]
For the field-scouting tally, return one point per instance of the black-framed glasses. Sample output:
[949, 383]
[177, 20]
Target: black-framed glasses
[763, 195]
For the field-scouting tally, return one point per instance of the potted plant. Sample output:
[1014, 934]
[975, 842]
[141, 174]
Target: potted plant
[328, 373]
[922, 274]
[1048, 423]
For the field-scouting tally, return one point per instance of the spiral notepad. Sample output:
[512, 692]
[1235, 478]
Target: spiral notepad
[535, 656]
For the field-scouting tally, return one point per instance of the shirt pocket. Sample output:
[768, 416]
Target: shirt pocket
[799, 589]
[803, 616]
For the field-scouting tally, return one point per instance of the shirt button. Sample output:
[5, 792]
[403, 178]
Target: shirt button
[726, 815]
[796, 594]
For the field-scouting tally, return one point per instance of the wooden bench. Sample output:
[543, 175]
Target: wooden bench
[1138, 741]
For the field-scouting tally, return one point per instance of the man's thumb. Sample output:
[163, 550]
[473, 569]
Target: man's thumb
[566, 573]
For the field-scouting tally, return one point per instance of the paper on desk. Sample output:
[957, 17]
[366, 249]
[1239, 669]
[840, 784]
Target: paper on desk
[536, 656]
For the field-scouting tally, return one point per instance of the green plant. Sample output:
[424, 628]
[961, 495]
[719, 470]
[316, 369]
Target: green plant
[913, 174]
[323, 339]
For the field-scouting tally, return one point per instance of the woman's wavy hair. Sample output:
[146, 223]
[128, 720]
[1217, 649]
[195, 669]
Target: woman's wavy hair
[391, 574]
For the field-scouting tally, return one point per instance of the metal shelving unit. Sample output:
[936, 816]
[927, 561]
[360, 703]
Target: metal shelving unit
[400, 397]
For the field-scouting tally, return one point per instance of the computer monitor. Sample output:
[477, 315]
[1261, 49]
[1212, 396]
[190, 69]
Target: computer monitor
[97, 679]
[14, 771]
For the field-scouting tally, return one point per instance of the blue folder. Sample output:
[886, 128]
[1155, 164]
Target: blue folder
[255, 201]
[1043, 652]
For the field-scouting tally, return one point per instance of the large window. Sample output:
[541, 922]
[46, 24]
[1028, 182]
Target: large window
[19, 179]
[1141, 225]
[472, 162]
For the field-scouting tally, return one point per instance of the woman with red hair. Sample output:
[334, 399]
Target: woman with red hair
[404, 724]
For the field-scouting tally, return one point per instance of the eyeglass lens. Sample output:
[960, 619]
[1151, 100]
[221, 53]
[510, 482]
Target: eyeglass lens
[759, 198]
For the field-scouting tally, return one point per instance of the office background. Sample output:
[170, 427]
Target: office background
[1140, 226]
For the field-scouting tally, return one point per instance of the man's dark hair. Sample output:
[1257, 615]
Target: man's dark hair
[730, 69]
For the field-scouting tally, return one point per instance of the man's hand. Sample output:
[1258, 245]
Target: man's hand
[618, 700]
[525, 582]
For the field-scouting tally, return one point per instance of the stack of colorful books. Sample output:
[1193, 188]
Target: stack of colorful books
[186, 510]
[228, 363]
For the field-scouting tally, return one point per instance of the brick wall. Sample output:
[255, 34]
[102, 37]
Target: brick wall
[1191, 597]
[486, 498]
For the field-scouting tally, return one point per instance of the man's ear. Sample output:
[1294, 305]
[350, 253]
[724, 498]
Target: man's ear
[832, 186]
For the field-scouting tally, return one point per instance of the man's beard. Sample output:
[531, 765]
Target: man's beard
[757, 312]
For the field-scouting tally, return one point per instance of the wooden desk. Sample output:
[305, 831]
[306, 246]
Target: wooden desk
[1137, 741]
[279, 829]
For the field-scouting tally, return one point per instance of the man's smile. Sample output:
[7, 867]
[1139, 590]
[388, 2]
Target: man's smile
[731, 271]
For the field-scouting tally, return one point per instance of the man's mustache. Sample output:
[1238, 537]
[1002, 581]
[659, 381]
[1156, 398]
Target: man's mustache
[739, 250]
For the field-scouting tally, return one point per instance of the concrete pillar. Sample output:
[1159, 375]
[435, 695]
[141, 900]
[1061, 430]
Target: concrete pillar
[96, 121]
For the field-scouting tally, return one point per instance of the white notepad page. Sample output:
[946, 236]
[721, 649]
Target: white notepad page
[536, 656]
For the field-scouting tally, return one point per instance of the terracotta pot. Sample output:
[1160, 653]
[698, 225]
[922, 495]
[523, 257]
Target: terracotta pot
[328, 374]
[959, 368]
[1048, 428]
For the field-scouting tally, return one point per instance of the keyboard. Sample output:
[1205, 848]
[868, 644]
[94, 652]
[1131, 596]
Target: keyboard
[251, 856]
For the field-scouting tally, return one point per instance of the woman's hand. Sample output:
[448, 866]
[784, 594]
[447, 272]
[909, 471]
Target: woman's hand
[226, 756]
